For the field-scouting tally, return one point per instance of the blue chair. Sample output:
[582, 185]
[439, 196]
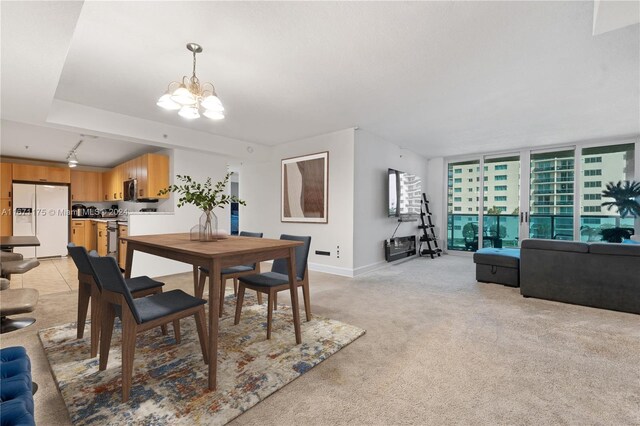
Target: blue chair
[277, 280]
[89, 290]
[16, 387]
[232, 272]
[139, 315]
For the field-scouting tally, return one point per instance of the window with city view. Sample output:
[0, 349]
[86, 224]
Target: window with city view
[462, 214]
[551, 197]
[554, 207]
[600, 166]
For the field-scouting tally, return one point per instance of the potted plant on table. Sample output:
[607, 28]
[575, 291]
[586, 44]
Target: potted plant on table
[206, 196]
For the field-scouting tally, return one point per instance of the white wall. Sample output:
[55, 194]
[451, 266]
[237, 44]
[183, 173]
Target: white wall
[373, 157]
[199, 166]
[260, 188]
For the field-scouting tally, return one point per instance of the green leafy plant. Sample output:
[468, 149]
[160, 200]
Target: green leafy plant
[624, 197]
[205, 196]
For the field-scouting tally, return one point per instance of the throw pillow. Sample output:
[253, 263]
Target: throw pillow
[630, 242]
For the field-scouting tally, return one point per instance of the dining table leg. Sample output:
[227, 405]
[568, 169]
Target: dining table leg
[214, 311]
[291, 264]
[195, 280]
[129, 260]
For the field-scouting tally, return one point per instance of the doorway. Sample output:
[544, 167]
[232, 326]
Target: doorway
[235, 208]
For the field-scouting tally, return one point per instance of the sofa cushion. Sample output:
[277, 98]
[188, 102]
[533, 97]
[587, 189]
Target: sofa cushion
[508, 258]
[555, 245]
[16, 413]
[615, 249]
[16, 396]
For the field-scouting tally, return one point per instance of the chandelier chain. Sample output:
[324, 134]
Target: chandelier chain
[194, 64]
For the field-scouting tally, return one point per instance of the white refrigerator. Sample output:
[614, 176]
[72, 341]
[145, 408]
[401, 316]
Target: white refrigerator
[41, 210]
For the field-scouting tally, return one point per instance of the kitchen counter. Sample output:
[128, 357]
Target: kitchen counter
[150, 213]
[97, 219]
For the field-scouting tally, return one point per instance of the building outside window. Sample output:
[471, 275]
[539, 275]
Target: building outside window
[462, 227]
[553, 206]
[611, 163]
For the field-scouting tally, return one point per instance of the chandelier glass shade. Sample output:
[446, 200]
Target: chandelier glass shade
[190, 97]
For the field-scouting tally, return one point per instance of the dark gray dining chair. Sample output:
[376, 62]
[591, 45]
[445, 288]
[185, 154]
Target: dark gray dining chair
[232, 272]
[270, 283]
[139, 315]
[89, 290]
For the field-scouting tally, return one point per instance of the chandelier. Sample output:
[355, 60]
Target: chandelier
[190, 96]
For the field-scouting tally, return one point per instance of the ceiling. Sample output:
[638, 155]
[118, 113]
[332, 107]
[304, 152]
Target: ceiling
[43, 143]
[439, 78]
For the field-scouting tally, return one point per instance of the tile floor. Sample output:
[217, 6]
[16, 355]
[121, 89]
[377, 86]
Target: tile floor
[54, 275]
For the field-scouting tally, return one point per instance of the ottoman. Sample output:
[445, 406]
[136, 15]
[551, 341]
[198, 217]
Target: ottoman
[498, 265]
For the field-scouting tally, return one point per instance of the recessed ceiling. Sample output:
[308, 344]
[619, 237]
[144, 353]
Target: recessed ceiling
[47, 144]
[439, 78]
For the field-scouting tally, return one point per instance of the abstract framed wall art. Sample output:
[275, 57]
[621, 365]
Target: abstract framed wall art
[305, 188]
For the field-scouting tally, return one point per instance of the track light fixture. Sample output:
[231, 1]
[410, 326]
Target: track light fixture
[72, 158]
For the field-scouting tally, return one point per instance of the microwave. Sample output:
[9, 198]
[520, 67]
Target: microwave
[130, 190]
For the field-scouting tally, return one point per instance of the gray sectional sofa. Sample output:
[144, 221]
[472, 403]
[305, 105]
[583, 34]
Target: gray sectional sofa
[600, 275]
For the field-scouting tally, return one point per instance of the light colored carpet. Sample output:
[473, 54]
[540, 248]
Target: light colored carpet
[439, 349]
[170, 380]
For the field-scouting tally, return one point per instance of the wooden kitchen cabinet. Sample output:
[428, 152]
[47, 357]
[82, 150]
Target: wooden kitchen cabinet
[6, 219]
[6, 214]
[78, 232]
[31, 173]
[150, 170]
[6, 179]
[112, 182]
[118, 182]
[153, 175]
[107, 177]
[90, 234]
[112, 185]
[130, 170]
[102, 238]
[122, 245]
[86, 186]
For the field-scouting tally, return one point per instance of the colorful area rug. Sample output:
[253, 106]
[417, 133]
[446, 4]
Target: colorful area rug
[170, 380]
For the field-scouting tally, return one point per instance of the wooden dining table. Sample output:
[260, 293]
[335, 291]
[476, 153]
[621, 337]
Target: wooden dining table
[215, 255]
[9, 242]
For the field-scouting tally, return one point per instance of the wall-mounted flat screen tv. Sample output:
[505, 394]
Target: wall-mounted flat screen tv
[405, 191]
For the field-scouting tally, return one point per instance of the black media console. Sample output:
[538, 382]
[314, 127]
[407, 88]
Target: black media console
[399, 248]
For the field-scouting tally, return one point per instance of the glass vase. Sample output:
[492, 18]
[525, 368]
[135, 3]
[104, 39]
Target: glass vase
[208, 226]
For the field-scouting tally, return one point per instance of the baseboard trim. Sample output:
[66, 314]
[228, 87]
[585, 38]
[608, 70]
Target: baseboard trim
[348, 272]
[369, 268]
[328, 269]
